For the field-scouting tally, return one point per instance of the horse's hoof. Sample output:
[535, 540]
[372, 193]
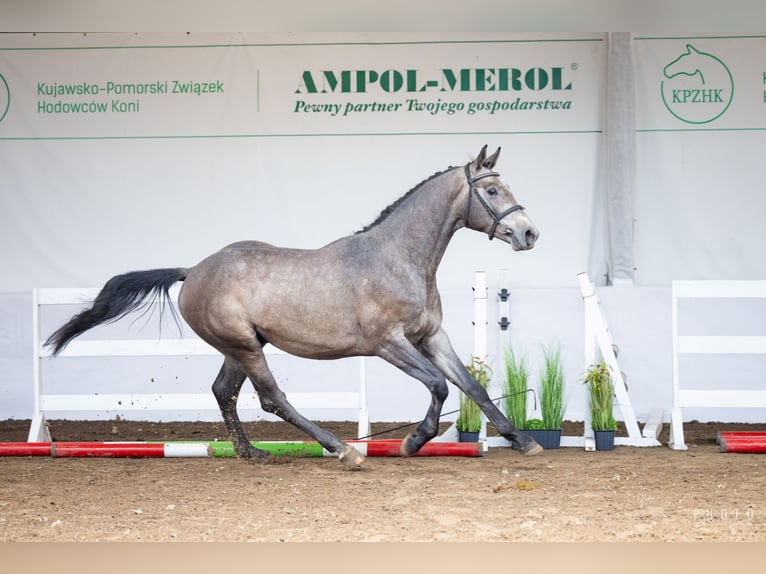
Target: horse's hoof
[254, 454]
[351, 458]
[407, 449]
[532, 449]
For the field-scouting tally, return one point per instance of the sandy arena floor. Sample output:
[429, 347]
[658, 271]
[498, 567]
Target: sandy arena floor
[629, 494]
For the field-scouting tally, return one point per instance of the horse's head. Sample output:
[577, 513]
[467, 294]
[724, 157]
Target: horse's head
[687, 64]
[491, 207]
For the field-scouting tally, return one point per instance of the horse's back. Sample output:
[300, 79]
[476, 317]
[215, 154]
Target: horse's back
[299, 300]
[244, 271]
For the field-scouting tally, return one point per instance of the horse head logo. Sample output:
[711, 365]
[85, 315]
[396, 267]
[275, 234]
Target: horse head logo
[697, 87]
[5, 98]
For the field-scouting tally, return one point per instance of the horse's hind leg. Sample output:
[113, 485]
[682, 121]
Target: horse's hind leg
[226, 389]
[274, 401]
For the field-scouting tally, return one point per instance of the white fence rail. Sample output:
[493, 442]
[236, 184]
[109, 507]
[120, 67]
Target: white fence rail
[713, 344]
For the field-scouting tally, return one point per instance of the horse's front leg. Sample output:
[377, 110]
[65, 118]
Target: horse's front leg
[439, 351]
[402, 354]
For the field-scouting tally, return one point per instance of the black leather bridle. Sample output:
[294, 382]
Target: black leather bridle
[496, 218]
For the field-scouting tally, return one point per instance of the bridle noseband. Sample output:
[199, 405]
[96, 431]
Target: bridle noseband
[496, 218]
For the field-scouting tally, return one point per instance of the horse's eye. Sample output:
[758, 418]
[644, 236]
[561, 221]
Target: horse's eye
[492, 191]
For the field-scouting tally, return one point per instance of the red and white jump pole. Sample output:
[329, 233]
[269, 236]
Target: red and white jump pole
[738, 434]
[373, 448]
[742, 441]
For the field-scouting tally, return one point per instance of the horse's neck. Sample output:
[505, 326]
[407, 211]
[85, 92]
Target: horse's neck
[420, 229]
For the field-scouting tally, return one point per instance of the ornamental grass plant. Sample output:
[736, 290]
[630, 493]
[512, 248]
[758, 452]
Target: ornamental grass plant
[515, 388]
[552, 389]
[469, 419]
[598, 377]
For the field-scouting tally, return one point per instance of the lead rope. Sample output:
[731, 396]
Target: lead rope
[534, 395]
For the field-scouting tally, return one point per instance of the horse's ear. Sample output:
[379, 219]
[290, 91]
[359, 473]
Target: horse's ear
[490, 162]
[479, 161]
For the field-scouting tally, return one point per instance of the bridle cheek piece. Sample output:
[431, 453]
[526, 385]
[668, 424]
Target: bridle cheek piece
[496, 218]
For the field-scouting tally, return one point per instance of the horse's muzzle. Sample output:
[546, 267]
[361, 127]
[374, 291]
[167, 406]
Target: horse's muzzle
[521, 240]
[530, 237]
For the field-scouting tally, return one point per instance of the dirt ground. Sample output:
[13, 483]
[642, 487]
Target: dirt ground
[629, 494]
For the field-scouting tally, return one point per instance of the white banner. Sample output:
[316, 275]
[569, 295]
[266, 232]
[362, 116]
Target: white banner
[701, 129]
[126, 151]
[136, 86]
[688, 83]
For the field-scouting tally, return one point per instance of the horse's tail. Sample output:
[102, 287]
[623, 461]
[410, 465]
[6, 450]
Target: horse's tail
[121, 295]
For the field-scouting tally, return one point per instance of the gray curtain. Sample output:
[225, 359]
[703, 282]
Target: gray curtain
[620, 159]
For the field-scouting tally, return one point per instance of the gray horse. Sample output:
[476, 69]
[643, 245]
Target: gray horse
[372, 293]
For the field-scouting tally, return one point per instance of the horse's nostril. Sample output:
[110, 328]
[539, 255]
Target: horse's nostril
[531, 236]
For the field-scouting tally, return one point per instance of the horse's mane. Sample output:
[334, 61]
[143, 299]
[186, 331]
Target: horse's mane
[391, 208]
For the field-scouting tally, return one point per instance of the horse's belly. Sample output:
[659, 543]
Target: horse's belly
[321, 339]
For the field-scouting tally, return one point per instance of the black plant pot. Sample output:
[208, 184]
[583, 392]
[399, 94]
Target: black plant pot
[604, 439]
[548, 439]
[467, 436]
